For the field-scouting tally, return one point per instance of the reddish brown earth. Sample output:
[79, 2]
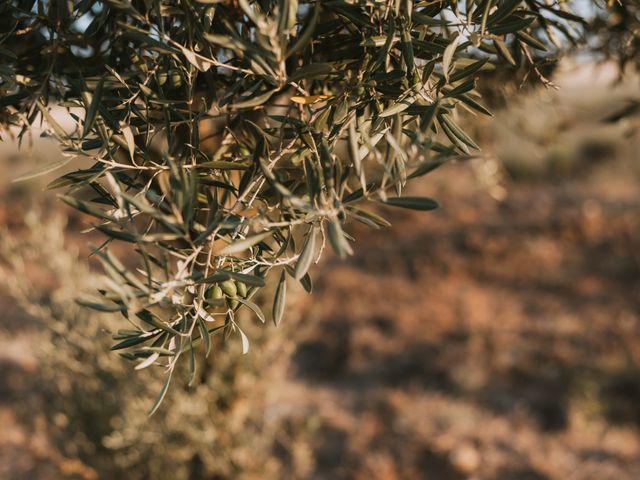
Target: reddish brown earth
[488, 340]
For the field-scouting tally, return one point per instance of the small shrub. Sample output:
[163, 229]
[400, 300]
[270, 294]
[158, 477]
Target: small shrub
[98, 414]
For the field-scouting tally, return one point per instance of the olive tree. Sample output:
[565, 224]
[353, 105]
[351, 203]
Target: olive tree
[227, 142]
[616, 33]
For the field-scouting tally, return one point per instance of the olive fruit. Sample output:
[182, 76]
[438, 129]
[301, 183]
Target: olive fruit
[214, 293]
[242, 289]
[162, 78]
[229, 288]
[176, 79]
[231, 292]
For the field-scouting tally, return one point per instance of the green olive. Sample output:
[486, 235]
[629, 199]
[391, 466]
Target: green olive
[214, 293]
[229, 288]
[242, 289]
[162, 78]
[176, 79]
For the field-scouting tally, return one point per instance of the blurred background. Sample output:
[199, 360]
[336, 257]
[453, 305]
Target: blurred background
[495, 338]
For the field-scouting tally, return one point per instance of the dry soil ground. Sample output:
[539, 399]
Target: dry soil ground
[489, 340]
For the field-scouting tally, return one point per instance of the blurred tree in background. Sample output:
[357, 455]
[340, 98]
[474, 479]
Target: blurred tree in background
[616, 33]
[226, 140]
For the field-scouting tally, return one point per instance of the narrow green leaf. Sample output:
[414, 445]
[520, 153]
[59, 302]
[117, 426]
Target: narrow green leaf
[512, 24]
[254, 101]
[399, 106]
[193, 365]
[426, 167]
[85, 207]
[250, 280]
[224, 165]
[244, 244]
[131, 144]
[354, 149]
[201, 63]
[117, 234]
[279, 300]
[313, 70]
[245, 341]
[306, 255]
[43, 170]
[92, 108]
[462, 88]
[133, 341]
[204, 335]
[458, 132]
[256, 309]
[413, 203]
[468, 70]
[475, 105]
[151, 319]
[337, 239]
[447, 56]
[101, 307]
[150, 360]
[161, 395]
[532, 41]
[504, 50]
[51, 121]
[369, 218]
[304, 281]
[162, 351]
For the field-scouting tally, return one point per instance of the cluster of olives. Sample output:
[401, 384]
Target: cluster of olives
[174, 77]
[228, 290]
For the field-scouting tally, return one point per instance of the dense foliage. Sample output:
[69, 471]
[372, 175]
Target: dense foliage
[227, 141]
